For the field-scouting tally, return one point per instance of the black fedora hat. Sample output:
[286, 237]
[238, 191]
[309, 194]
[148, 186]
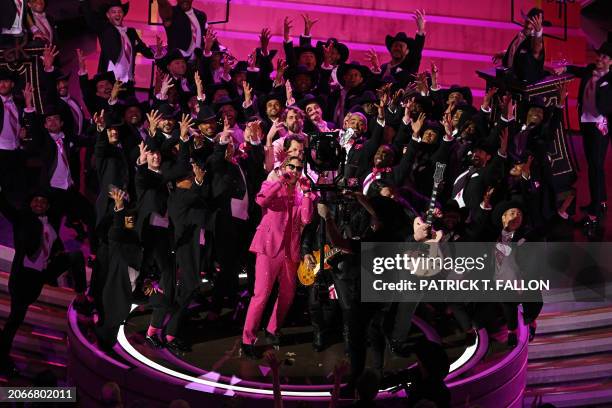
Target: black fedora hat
[113, 121]
[7, 75]
[51, 110]
[133, 102]
[310, 98]
[241, 66]
[173, 55]
[344, 68]
[103, 76]
[465, 91]
[116, 3]
[206, 114]
[225, 101]
[270, 96]
[435, 126]
[213, 88]
[402, 37]
[605, 49]
[293, 72]
[484, 145]
[167, 111]
[298, 51]
[340, 47]
[504, 206]
[60, 76]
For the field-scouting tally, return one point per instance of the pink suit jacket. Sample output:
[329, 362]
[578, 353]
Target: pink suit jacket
[269, 236]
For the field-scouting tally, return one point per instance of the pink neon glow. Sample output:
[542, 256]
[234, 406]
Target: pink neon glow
[48, 336]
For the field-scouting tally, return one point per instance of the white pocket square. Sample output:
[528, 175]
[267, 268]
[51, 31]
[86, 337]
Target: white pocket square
[603, 84]
[474, 175]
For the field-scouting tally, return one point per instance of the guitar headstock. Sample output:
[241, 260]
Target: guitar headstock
[439, 173]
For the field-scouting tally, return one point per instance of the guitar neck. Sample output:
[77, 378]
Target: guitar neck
[432, 204]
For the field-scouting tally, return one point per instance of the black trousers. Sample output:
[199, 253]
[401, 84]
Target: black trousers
[12, 172]
[72, 204]
[595, 148]
[531, 311]
[25, 286]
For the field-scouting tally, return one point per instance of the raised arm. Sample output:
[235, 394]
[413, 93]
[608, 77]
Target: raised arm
[269, 191]
[165, 12]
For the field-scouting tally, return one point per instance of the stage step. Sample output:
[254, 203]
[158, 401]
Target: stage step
[574, 394]
[39, 314]
[550, 371]
[557, 322]
[29, 366]
[571, 344]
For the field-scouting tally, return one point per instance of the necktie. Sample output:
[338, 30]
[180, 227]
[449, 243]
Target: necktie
[194, 31]
[18, 4]
[76, 114]
[62, 152]
[42, 26]
[462, 181]
[9, 105]
[127, 48]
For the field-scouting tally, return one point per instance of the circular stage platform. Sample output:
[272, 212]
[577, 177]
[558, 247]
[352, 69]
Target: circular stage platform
[214, 373]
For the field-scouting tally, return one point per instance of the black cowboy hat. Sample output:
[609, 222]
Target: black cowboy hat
[318, 52]
[463, 90]
[205, 114]
[259, 56]
[6, 75]
[264, 99]
[115, 3]
[103, 76]
[60, 76]
[173, 55]
[435, 126]
[226, 101]
[152, 144]
[344, 68]
[402, 37]
[504, 206]
[426, 103]
[310, 98]
[132, 101]
[605, 49]
[166, 111]
[340, 47]
[113, 121]
[51, 110]
[241, 66]
[484, 145]
[211, 89]
[293, 72]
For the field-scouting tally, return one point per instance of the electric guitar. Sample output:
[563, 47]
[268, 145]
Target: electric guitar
[307, 275]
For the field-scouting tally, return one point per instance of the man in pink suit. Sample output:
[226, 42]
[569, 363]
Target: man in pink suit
[286, 210]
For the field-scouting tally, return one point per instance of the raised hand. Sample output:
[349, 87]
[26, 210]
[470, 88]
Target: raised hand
[248, 92]
[486, 199]
[81, 60]
[226, 125]
[327, 54]
[209, 40]
[421, 83]
[185, 125]
[118, 196]
[526, 170]
[287, 29]
[508, 106]
[228, 64]
[408, 104]
[159, 47]
[497, 57]
[153, 117]
[372, 58]
[118, 86]
[264, 40]
[98, 119]
[28, 95]
[308, 23]
[536, 22]
[304, 183]
[562, 89]
[198, 172]
[165, 85]
[281, 67]
[447, 121]
[418, 124]
[419, 18]
[199, 86]
[434, 75]
[144, 152]
[49, 54]
[397, 96]
[486, 102]
[289, 93]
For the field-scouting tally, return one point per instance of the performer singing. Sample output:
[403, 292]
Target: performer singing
[286, 210]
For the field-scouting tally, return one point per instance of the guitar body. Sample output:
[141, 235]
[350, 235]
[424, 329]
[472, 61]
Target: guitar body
[307, 275]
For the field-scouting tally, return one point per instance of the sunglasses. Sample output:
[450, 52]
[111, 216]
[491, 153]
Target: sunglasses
[294, 167]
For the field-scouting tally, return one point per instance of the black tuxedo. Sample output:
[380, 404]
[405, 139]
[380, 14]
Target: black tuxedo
[12, 162]
[232, 236]
[93, 102]
[524, 65]
[25, 284]
[178, 29]
[110, 40]
[9, 11]
[594, 142]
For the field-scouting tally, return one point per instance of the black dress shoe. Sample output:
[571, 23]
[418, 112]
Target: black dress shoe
[154, 341]
[512, 340]
[248, 351]
[178, 346]
[272, 339]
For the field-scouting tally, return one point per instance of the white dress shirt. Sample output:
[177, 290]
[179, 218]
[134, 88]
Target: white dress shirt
[9, 135]
[61, 177]
[123, 68]
[40, 260]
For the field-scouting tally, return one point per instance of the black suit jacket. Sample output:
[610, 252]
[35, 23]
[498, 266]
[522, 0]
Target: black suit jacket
[404, 72]
[93, 102]
[603, 92]
[110, 39]
[9, 10]
[24, 119]
[525, 66]
[178, 30]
